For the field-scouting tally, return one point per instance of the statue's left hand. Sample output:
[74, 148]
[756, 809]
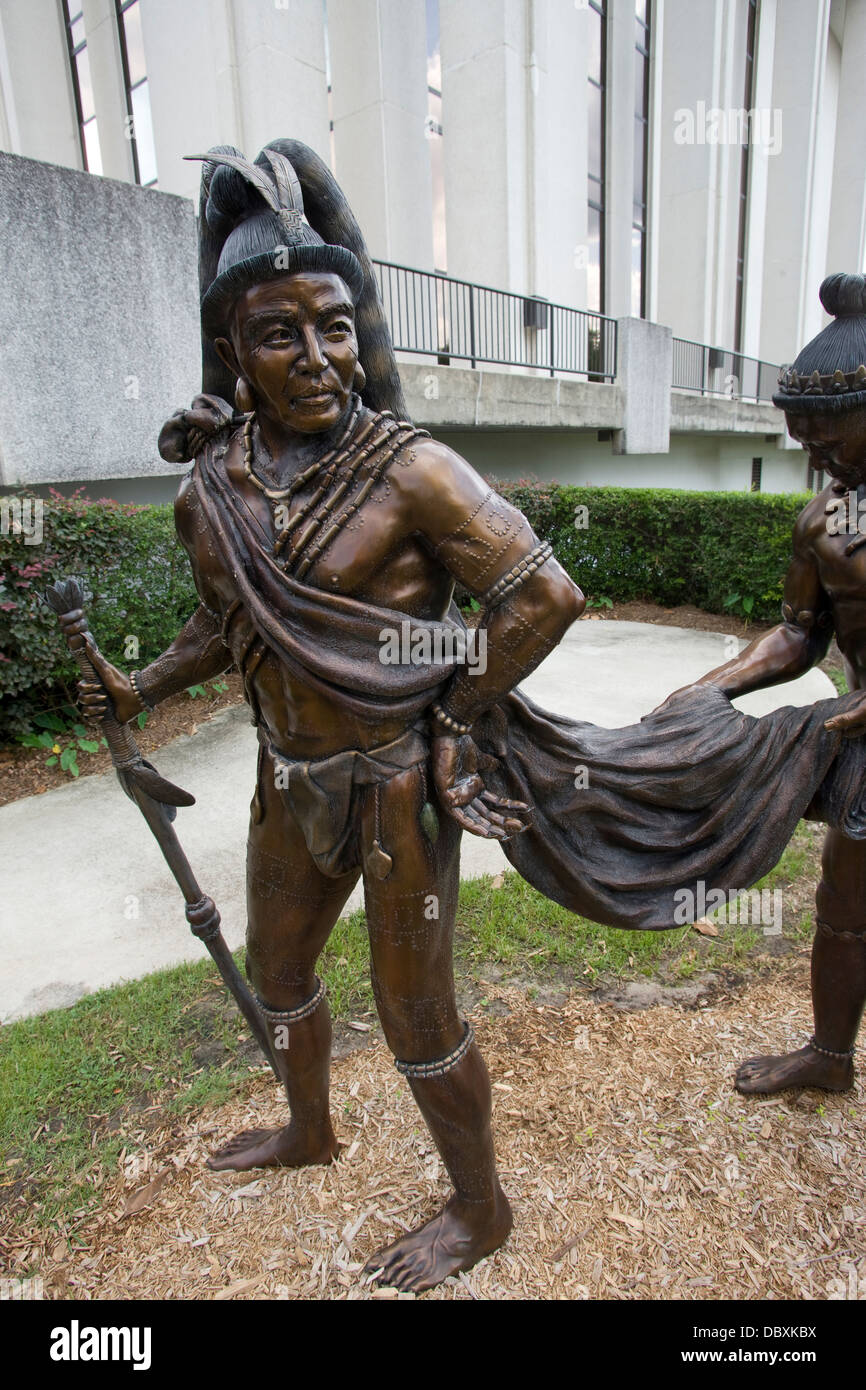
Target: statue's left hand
[463, 795]
[853, 722]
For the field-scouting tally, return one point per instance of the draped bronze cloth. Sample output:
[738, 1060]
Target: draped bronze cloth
[696, 793]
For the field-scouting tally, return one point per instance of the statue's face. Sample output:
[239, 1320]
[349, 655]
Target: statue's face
[294, 340]
[836, 443]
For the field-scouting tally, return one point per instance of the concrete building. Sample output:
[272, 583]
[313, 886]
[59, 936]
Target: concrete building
[678, 175]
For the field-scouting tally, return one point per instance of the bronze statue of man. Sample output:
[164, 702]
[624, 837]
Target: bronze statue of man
[824, 399]
[314, 523]
[319, 524]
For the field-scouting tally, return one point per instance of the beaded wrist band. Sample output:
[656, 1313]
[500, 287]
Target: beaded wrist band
[825, 1051]
[304, 1010]
[133, 681]
[420, 1071]
[452, 725]
[518, 574]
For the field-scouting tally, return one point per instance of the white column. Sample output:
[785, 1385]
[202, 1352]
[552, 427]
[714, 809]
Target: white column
[724, 202]
[192, 79]
[695, 273]
[557, 155]
[378, 52]
[796, 226]
[37, 104]
[654, 163]
[232, 72]
[846, 248]
[279, 51]
[761, 156]
[619, 156]
[484, 118]
[109, 96]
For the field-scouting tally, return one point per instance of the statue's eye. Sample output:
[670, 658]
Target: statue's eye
[339, 327]
[283, 333]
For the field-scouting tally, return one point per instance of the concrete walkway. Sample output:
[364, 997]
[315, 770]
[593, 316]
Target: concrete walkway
[87, 899]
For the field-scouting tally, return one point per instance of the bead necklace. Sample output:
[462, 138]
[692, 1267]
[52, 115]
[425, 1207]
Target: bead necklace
[282, 494]
[348, 454]
[390, 440]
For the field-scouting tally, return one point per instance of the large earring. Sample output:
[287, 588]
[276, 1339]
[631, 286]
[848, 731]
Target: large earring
[359, 380]
[244, 398]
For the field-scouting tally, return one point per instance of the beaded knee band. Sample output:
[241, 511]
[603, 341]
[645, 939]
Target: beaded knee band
[518, 574]
[284, 1016]
[825, 1051]
[419, 1071]
[826, 930]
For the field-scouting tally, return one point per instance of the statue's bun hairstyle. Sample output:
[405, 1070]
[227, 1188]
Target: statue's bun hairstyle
[829, 375]
[843, 295]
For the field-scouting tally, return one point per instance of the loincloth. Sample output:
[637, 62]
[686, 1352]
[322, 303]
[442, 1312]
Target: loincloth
[323, 795]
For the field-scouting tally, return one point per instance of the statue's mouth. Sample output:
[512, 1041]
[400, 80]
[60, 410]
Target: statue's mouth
[314, 398]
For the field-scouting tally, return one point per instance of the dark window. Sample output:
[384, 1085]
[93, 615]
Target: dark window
[434, 134]
[595, 160]
[756, 475]
[82, 87]
[748, 98]
[138, 117]
[641, 155]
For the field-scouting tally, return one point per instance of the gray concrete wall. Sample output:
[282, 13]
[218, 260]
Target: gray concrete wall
[99, 330]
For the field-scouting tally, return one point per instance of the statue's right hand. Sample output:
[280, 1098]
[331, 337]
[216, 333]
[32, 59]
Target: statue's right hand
[111, 694]
[185, 433]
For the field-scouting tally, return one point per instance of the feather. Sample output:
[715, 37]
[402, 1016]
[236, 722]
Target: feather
[287, 181]
[251, 172]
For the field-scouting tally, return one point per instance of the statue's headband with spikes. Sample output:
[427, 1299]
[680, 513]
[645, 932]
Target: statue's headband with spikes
[829, 375]
[260, 214]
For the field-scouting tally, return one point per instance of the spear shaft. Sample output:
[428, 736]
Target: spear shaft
[157, 800]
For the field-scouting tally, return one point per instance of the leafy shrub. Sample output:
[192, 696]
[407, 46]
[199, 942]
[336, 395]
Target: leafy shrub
[666, 545]
[137, 572]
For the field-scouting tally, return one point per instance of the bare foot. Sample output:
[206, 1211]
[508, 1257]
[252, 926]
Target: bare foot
[766, 1075]
[461, 1235]
[274, 1148]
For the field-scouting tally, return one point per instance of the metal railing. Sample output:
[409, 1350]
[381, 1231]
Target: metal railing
[714, 372]
[456, 321]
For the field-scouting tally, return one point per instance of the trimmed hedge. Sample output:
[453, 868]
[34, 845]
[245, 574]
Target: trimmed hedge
[133, 564]
[640, 543]
[666, 545]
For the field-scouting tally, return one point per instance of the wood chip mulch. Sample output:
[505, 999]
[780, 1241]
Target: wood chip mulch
[634, 1169]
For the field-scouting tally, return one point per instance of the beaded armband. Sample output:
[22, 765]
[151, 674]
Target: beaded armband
[517, 575]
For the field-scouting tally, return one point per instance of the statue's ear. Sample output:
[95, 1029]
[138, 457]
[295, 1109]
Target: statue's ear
[227, 354]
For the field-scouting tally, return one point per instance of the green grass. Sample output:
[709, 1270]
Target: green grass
[837, 676]
[75, 1083]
